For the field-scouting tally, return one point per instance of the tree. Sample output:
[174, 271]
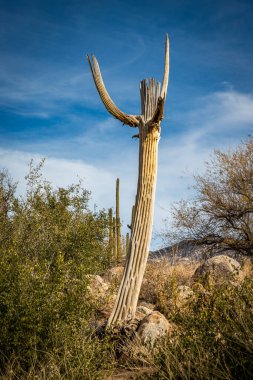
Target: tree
[148, 123]
[221, 214]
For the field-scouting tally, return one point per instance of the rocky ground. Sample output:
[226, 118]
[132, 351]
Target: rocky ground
[164, 286]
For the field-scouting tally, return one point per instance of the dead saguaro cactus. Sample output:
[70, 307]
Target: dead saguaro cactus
[148, 123]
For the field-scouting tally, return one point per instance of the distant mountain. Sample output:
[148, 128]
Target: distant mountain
[189, 250]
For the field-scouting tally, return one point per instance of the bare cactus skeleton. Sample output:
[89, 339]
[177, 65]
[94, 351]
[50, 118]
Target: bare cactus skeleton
[152, 108]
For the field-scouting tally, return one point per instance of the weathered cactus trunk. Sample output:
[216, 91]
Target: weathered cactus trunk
[149, 134]
[127, 243]
[152, 104]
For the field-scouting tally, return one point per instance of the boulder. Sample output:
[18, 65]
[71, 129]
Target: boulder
[153, 326]
[142, 312]
[102, 295]
[114, 274]
[96, 285]
[183, 295]
[218, 269]
[147, 305]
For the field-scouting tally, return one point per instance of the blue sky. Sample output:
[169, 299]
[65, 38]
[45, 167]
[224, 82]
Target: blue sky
[49, 106]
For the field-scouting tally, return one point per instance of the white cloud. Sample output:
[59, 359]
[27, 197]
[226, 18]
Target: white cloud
[62, 172]
[223, 111]
[219, 120]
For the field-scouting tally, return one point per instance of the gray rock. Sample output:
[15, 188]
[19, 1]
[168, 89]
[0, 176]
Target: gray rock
[142, 312]
[96, 285]
[114, 274]
[153, 327]
[147, 305]
[218, 269]
[184, 294]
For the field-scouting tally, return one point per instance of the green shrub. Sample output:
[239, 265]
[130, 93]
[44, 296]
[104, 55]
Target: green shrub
[49, 242]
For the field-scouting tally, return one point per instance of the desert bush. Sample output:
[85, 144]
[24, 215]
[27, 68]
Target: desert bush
[213, 339]
[221, 213]
[76, 354]
[162, 279]
[49, 242]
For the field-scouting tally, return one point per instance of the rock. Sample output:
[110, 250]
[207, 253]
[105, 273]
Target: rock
[147, 305]
[218, 269]
[102, 296]
[96, 286]
[152, 327]
[181, 298]
[114, 274]
[184, 294]
[142, 312]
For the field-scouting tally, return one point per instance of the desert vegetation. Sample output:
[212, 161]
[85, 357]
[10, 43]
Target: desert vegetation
[58, 283]
[221, 214]
[50, 241]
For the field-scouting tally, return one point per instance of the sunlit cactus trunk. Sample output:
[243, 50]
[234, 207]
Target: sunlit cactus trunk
[149, 134]
[127, 242]
[152, 107]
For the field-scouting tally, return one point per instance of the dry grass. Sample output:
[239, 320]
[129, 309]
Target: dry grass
[213, 339]
[161, 279]
[163, 269]
[246, 269]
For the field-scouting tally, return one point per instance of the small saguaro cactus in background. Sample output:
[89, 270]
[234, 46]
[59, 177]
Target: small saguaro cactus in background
[118, 223]
[114, 238]
[110, 232]
[114, 229]
[152, 108]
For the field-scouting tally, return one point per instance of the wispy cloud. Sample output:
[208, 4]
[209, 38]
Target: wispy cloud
[50, 74]
[218, 120]
[98, 179]
[230, 110]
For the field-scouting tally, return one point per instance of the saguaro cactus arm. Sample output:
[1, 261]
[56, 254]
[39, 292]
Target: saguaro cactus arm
[130, 120]
[158, 115]
[166, 69]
